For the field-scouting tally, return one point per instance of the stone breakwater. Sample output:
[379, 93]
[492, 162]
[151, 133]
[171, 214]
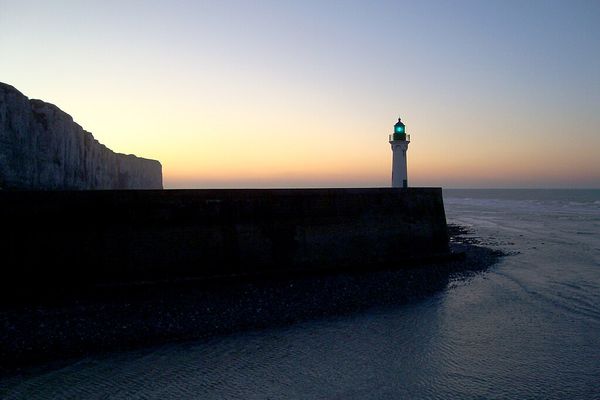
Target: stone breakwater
[77, 239]
[173, 264]
[42, 148]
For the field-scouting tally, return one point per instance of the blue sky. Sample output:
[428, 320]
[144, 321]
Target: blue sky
[276, 93]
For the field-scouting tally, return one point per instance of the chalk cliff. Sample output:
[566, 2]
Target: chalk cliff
[42, 148]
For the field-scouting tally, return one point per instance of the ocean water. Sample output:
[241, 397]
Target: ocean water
[527, 328]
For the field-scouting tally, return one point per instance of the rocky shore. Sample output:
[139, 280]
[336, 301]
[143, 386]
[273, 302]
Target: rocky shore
[117, 317]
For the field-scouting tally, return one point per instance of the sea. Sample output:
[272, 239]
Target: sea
[527, 328]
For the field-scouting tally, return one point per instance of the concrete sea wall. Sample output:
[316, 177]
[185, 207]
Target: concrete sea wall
[83, 238]
[95, 271]
[42, 148]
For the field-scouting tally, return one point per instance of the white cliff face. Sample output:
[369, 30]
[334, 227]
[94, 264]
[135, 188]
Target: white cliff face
[41, 147]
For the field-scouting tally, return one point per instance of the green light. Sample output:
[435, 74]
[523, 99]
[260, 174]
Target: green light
[399, 129]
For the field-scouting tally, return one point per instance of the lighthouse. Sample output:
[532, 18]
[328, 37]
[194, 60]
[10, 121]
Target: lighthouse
[399, 141]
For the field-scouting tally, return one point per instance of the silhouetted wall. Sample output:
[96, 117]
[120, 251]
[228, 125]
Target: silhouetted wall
[85, 237]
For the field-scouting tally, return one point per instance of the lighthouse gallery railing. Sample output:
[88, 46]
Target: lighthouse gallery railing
[392, 137]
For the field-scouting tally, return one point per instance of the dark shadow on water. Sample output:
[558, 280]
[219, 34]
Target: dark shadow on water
[126, 317]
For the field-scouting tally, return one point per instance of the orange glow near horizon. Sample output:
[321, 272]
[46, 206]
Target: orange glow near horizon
[210, 148]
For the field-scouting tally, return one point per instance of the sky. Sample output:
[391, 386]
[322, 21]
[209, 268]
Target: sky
[304, 93]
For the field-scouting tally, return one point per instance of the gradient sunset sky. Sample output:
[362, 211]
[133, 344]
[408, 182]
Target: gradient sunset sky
[305, 93]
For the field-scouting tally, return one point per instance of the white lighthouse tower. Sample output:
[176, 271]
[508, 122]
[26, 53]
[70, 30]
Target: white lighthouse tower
[399, 141]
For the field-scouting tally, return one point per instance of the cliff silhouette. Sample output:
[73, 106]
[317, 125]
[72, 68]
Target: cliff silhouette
[42, 148]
